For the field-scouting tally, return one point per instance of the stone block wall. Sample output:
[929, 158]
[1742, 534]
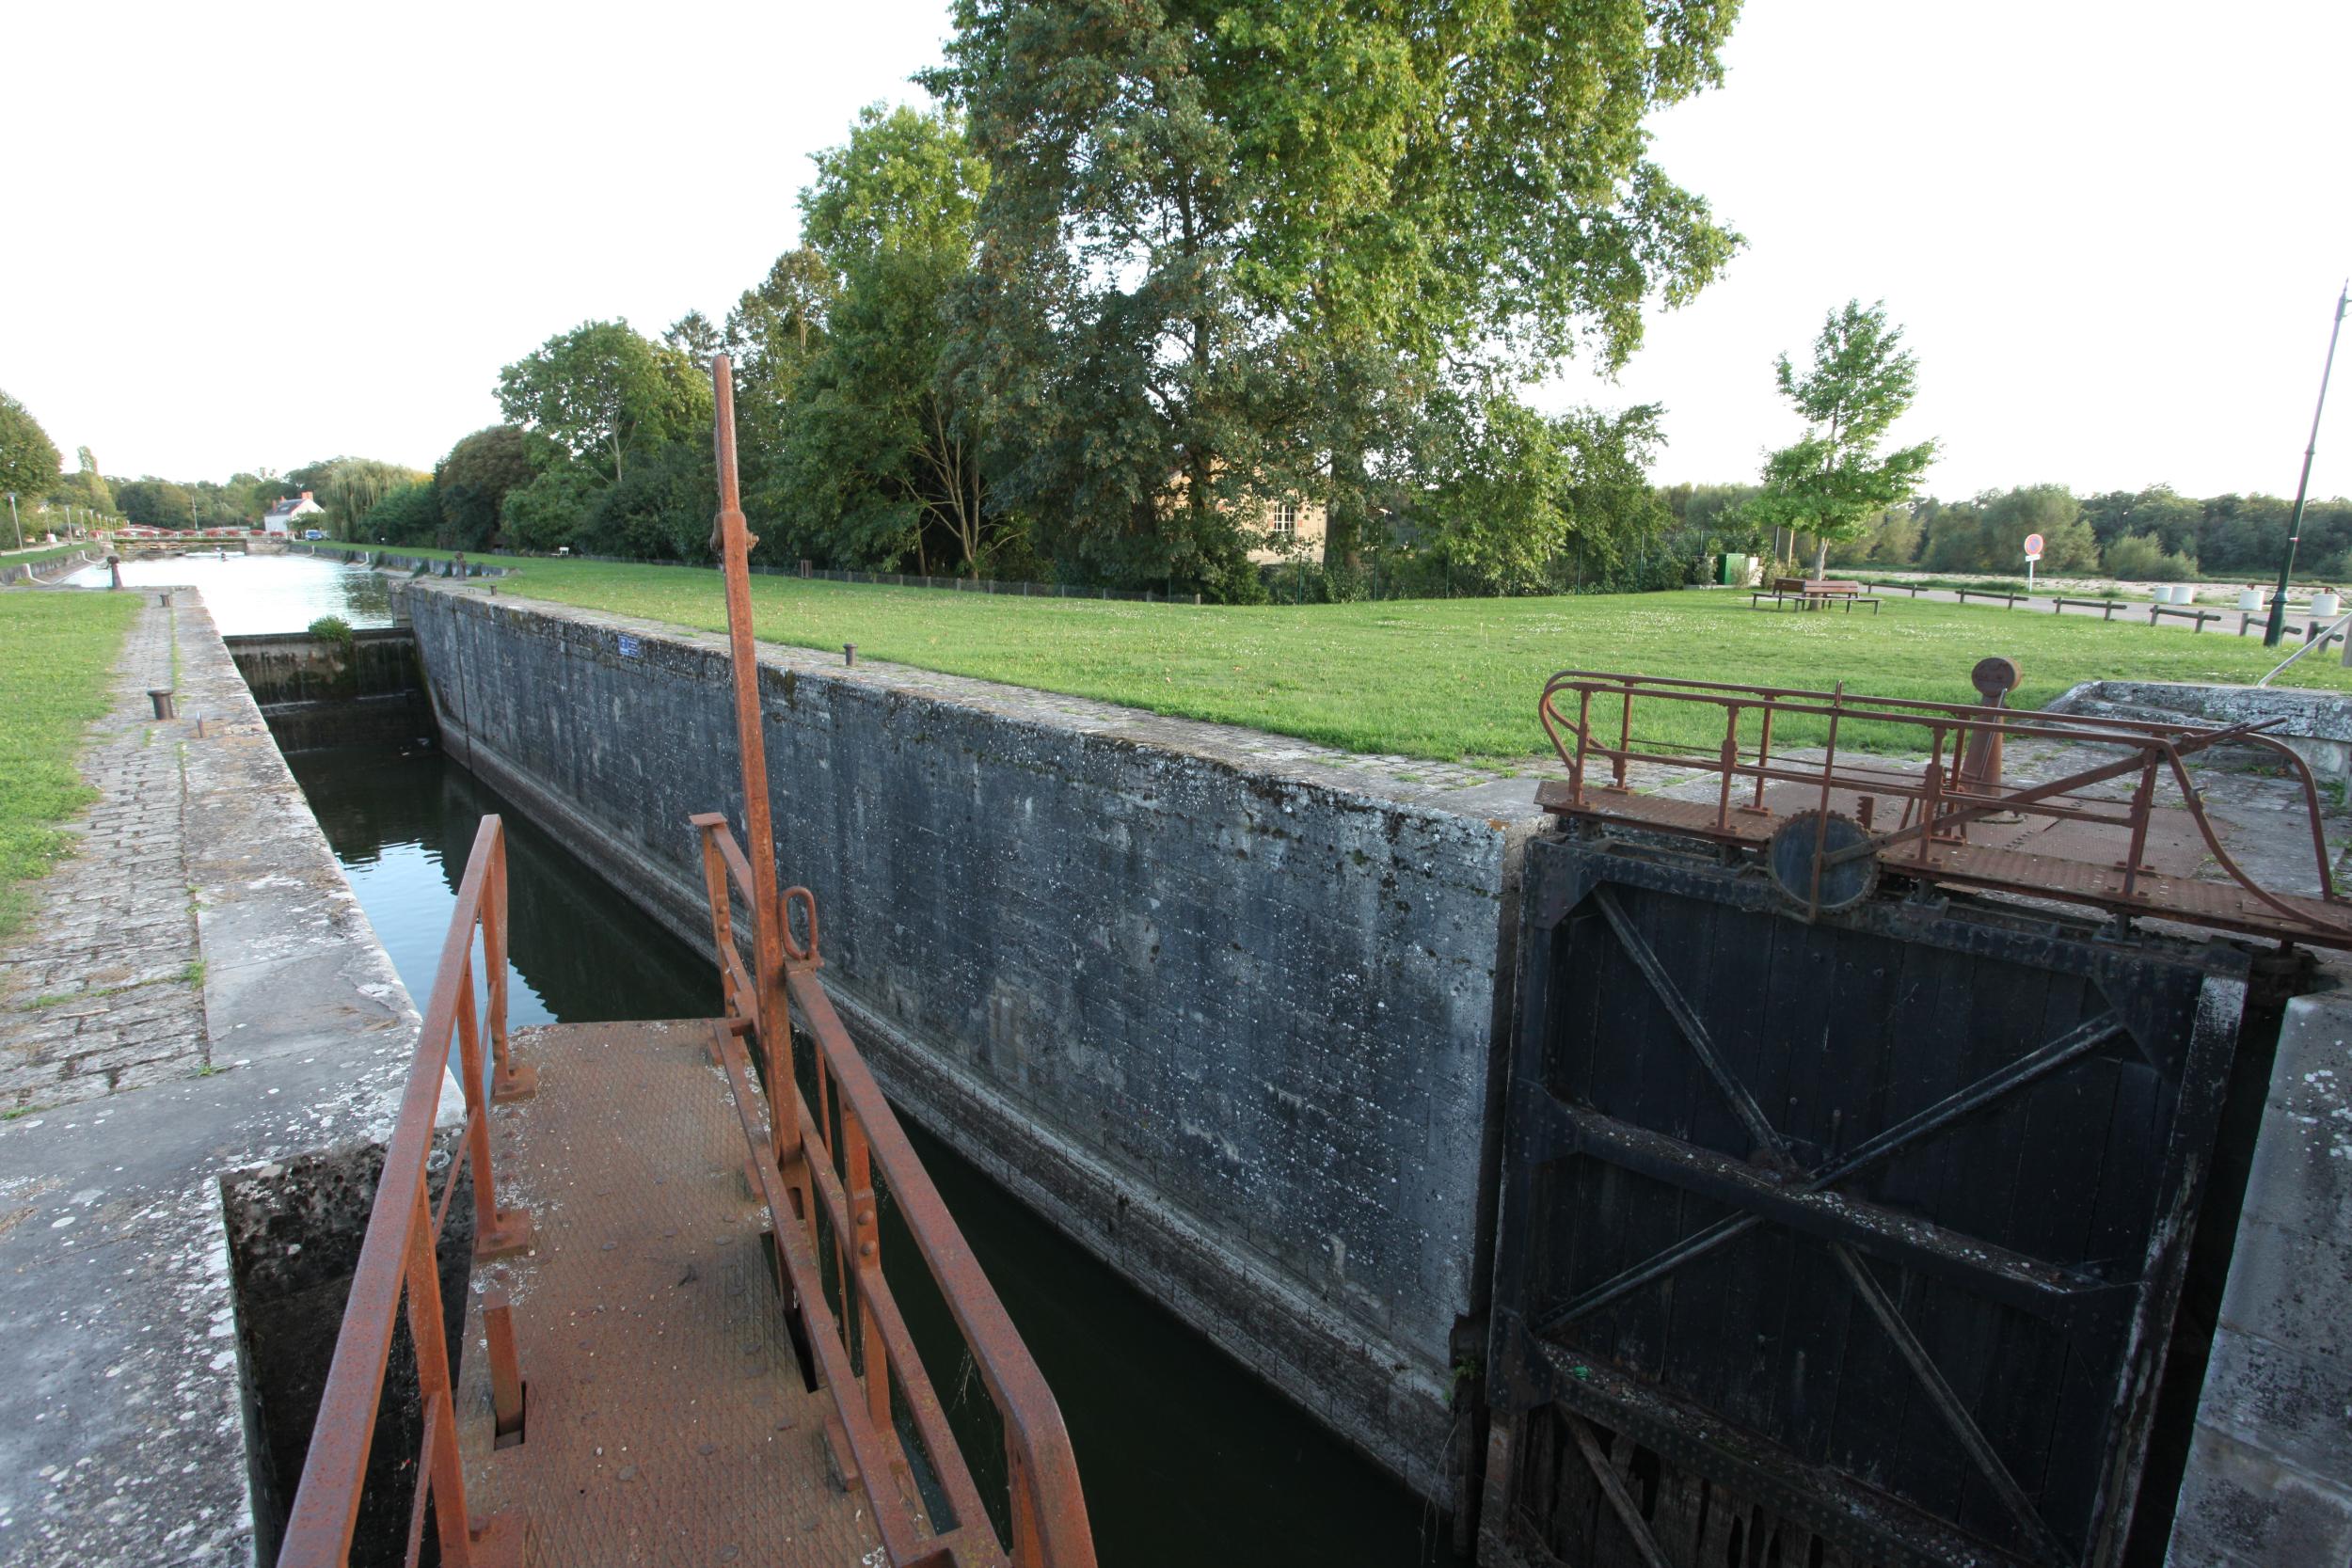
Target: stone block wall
[1217, 1004]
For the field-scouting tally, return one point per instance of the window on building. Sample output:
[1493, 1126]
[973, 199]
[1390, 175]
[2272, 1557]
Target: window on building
[1285, 518]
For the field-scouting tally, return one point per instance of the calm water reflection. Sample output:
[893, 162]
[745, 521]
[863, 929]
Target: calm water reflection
[1187, 1460]
[263, 593]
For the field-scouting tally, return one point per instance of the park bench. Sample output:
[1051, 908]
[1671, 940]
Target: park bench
[1813, 594]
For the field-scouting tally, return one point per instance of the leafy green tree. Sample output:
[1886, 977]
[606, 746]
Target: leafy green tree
[2050, 509]
[2143, 558]
[1509, 494]
[597, 393]
[773, 334]
[549, 512]
[472, 482]
[89, 486]
[349, 489]
[1440, 185]
[28, 459]
[408, 515]
[155, 504]
[881, 455]
[1830, 483]
[1106, 334]
[1222, 239]
[1497, 477]
[695, 336]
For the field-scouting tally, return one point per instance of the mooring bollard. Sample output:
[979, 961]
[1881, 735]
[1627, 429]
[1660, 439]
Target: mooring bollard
[162, 698]
[163, 600]
[114, 570]
[848, 652]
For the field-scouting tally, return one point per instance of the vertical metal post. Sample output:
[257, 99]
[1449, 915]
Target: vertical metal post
[2277, 628]
[734, 540]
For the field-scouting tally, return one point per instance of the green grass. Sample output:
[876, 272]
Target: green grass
[1436, 679]
[58, 652]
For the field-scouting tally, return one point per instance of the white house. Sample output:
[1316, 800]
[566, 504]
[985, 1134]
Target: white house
[279, 519]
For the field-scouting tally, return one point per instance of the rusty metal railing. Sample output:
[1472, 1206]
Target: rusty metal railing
[822, 1159]
[805, 1171]
[1959, 786]
[399, 1260]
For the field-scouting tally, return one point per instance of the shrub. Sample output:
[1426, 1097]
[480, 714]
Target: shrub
[2140, 556]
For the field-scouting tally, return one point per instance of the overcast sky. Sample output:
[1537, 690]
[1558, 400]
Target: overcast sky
[2114, 233]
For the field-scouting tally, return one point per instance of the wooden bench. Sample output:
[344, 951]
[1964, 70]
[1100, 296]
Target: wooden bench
[1812, 593]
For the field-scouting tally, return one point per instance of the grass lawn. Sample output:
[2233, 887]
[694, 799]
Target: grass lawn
[58, 652]
[1436, 679]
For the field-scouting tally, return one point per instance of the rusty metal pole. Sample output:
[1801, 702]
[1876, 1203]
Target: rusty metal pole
[734, 543]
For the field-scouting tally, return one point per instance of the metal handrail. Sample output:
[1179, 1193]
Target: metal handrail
[1945, 796]
[1050, 1528]
[398, 1258]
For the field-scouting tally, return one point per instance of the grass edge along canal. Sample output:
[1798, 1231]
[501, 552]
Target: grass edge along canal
[57, 654]
[1439, 679]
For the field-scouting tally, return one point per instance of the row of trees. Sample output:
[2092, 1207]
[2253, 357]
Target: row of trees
[2151, 535]
[350, 488]
[1145, 274]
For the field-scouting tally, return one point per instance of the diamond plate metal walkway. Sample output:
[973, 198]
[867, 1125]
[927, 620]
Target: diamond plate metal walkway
[665, 1418]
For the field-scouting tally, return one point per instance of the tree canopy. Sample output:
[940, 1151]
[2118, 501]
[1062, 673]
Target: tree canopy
[1834, 481]
[28, 458]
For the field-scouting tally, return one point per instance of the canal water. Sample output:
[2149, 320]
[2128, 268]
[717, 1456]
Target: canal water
[1186, 1459]
[262, 593]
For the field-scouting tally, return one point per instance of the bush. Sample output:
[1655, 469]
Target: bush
[331, 629]
[2141, 557]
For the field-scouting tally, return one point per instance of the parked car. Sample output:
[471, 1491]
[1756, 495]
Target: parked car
[314, 533]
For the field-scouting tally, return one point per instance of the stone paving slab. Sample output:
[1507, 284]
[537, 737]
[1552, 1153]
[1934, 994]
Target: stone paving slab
[122, 1420]
[100, 991]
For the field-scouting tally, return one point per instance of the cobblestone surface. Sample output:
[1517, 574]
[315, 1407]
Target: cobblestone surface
[100, 991]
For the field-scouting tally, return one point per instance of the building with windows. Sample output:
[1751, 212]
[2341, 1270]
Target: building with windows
[1294, 529]
[281, 519]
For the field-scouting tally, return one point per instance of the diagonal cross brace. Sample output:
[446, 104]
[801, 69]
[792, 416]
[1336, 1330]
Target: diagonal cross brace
[1770, 1143]
[2076, 1043]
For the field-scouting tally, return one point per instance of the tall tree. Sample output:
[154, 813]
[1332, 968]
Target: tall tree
[1105, 332]
[773, 334]
[28, 458]
[470, 485]
[880, 451]
[596, 393]
[95, 492]
[1227, 236]
[1831, 483]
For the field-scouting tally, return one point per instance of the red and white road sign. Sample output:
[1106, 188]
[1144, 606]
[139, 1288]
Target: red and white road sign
[2033, 547]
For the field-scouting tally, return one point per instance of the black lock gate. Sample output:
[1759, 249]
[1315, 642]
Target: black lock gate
[1856, 1241]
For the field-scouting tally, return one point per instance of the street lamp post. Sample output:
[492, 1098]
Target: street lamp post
[2278, 627]
[13, 523]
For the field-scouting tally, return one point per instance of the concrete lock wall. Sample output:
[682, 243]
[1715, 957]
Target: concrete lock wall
[1221, 1016]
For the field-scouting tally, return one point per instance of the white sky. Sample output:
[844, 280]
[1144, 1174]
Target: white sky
[277, 233]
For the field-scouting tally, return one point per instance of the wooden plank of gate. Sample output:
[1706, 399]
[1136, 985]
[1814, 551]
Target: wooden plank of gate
[665, 1420]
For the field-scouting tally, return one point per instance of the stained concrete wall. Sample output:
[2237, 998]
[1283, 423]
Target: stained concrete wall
[2315, 725]
[1216, 1004]
[317, 691]
[2269, 1477]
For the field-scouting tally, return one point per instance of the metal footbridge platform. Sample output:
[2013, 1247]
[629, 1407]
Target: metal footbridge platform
[674, 1342]
[666, 1416]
